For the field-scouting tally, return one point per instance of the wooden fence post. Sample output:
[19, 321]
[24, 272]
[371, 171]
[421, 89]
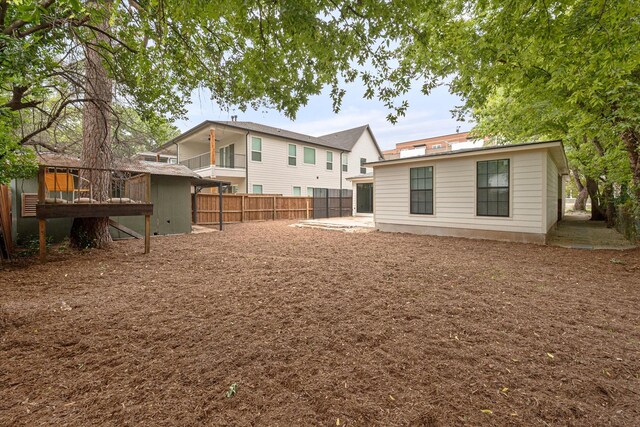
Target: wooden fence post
[307, 200]
[274, 207]
[242, 210]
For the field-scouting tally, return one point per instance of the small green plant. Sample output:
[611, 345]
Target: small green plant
[233, 389]
[29, 247]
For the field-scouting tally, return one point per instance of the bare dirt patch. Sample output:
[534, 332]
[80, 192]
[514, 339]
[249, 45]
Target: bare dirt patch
[324, 328]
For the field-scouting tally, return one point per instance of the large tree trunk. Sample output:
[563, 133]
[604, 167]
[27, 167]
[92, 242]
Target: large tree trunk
[597, 213]
[96, 144]
[610, 206]
[581, 199]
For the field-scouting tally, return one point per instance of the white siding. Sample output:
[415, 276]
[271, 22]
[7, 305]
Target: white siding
[552, 193]
[276, 175]
[364, 148]
[455, 194]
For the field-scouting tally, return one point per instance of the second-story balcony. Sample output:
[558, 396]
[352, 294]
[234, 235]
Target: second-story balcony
[226, 160]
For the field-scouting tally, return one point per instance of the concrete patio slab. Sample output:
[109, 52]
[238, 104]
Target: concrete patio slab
[350, 224]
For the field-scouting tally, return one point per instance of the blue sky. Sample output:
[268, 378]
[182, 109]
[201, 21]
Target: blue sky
[427, 115]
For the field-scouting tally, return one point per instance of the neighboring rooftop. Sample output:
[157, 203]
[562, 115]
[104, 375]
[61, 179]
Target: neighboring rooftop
[437, 143]
[343, 140]
[139, 166]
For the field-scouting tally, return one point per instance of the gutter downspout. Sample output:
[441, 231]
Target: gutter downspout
[246, 163]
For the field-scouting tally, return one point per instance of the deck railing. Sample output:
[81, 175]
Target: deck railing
[202, 161]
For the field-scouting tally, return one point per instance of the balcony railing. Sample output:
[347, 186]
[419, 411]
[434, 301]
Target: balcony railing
[234, 161]
[200, 161]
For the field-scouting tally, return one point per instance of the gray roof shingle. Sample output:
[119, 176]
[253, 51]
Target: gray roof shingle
[343, 140]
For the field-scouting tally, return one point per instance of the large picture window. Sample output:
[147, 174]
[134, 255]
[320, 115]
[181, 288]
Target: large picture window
[493, 188]
[422, 190]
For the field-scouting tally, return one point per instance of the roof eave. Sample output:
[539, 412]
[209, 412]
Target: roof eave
[471, 152]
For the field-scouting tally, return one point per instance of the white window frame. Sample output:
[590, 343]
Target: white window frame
[253, 189]
[256, 151]
[295, 155]
[329, 164]
[304, 157]
[293, 192]
[345, 162]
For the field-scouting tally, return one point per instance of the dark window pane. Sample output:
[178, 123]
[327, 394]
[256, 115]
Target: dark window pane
[503, 208]
[482, 208]
[492, 168]
[482, 168]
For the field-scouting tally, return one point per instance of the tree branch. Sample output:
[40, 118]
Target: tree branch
[19, 23]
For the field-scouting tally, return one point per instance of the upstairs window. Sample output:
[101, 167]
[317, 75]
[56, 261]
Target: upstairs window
[310, 156]
[493, 188]
[422, 190]
[345, 163]
[297, 191]
[256, 149]
[257, 188]
[292, 155]
[329, 160]
[363, 170]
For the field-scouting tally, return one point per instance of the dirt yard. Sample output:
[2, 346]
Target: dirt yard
[321, 328]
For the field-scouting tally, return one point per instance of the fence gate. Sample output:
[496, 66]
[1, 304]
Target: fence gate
[330, 202]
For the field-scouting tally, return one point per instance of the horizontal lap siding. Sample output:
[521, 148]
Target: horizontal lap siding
[455, 194]
[277, 177]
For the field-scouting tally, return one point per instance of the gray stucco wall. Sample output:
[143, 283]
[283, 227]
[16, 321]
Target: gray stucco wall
[170, 195]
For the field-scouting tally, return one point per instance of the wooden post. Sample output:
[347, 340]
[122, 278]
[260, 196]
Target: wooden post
[148, 189]
[212, 146]
[42, 235]
[41, 185]
[307, 208]
[242, 210]
[220, 203]
[274, 208]
[194, 206]
[147, 234]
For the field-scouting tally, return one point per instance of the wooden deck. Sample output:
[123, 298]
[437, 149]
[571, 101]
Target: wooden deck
[91, 210]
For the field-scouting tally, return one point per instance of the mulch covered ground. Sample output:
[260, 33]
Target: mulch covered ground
[322, 328]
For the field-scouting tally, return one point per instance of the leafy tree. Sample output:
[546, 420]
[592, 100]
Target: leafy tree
[150, 55]
[568, 69]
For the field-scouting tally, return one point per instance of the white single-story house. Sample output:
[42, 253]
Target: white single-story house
[507, 192]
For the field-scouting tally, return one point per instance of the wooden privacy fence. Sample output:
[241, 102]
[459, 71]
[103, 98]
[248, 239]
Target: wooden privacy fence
[251, 207]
